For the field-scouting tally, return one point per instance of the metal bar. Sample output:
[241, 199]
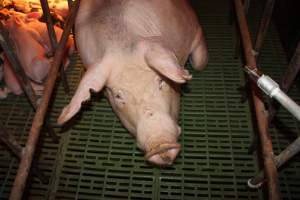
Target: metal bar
[10, 141]
[7, 46]
[24, 167]
[264, 25]
[246, 4]
[288, 78]
[282, 158]
[50, 27]
[261, 118]
[17, 149]
[53, 40]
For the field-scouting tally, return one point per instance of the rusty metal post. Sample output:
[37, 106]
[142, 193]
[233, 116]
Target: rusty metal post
[264, 25]
[261, 118]
[24, 167]
[287, 79]
[53, 40]
[246, 4]
[282, 158]
[17, 149]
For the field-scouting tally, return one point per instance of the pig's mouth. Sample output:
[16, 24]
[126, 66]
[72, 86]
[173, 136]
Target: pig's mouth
[163, 154]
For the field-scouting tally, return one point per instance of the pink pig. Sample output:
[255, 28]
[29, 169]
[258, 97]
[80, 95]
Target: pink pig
[136, 50]
[32, 45]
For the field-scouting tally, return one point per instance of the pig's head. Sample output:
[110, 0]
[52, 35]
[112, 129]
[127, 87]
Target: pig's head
[144, 91]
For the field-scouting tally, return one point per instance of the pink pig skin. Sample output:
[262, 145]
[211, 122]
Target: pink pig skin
[10, 79]
[28, 49]
[41, 28]
[136, 50]
[32, 44]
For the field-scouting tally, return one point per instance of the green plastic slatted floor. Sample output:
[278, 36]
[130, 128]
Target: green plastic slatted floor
[97, 158]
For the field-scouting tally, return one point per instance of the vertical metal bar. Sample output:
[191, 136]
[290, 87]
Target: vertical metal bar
[24, 167]
[246, 4]
[264, 25]
[53, 40]
[50, 27]
[261, 118]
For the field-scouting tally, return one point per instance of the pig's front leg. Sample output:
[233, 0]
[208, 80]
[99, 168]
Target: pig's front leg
[199, 54]
[11, 81]
[4, 92]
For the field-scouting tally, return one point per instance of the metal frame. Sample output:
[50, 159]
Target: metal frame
[260, 111]
[28, 153]
[269, 175]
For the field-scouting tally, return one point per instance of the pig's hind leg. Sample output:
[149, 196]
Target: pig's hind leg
[199, 54]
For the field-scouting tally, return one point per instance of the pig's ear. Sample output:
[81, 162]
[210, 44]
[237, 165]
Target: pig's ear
[93, 80]
[166, 63]
[17, 20]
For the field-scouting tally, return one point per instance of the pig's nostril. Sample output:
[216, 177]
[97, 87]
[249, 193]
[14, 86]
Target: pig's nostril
[163, 154]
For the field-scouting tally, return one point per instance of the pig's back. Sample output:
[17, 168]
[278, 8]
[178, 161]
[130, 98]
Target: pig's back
[120, 24]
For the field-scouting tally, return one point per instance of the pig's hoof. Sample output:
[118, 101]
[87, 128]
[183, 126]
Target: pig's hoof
[163, 154]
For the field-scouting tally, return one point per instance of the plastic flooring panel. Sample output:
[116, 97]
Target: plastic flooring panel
[98, 159]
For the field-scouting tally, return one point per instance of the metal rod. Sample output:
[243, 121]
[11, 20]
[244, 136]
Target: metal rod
[24, 167]
[50, 26]
[53, 40]
[264, 25]
[282, 158]
[17, 149]
[246, 4]
[261, 118]
[288, 78]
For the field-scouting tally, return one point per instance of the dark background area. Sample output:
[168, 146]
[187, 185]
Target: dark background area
[287, 19]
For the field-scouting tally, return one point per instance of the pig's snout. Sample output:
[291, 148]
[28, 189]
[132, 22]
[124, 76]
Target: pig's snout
[163, 154]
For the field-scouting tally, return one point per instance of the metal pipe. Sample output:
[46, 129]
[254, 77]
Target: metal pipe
[260, 111]
[53, 40]
[246, 4]
[288, 78]
[271, 88]
[50, 27]
[17, 149]
[24, 167]
[264, 25]
[282, 158]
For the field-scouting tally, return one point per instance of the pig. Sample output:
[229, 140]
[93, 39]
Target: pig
[28, 48]
[32, 47]
[61, 9]
[135, 51]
